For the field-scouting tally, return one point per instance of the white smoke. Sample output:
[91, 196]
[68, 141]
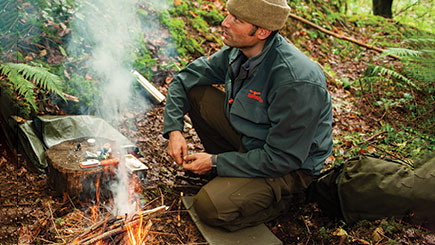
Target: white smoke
[109, 30]
[107, 33]
[124, 199]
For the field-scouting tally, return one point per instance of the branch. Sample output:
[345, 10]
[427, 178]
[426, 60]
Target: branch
[407, 7]
[340, 36]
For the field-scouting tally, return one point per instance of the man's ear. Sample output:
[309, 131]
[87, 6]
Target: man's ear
[263, 33]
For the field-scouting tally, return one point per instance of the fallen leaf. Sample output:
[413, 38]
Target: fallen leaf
[43, 53]
[339, 232]
[377, 234]
[88, 77]
[193, 13]
[26, 236]
[66, 74]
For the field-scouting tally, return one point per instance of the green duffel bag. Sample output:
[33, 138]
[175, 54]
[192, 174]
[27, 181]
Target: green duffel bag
[371, 188]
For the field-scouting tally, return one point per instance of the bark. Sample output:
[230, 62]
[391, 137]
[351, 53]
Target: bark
[66, 175]
[383, 8]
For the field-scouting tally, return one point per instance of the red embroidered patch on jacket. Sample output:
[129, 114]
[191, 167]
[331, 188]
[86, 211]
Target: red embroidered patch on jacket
[255, 95]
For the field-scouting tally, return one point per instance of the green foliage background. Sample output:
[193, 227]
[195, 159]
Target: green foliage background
[404, 92]
[419, 13]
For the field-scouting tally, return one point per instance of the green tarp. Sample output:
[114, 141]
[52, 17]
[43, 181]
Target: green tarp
[46, 131]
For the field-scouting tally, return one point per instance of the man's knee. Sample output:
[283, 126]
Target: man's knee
[205, 208]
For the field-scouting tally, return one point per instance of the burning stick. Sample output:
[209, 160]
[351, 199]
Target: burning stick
[94, 239]
[179, 208]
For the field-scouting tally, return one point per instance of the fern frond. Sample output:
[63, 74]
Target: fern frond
[22, 86]
[21, 75]
[425, 42]
[402, 52]
[375, 70]
[40, 76]
[374, 79]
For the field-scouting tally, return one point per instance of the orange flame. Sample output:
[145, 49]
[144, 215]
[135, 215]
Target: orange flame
[137, 232]
[134, 234]
[94, 209]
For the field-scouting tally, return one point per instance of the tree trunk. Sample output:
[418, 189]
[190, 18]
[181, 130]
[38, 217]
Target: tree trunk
[383, 8]
[66, 175]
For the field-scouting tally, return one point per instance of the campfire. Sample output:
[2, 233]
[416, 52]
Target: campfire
[114, 212]
[111, 229]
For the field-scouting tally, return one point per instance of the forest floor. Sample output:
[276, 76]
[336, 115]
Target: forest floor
[31, 213]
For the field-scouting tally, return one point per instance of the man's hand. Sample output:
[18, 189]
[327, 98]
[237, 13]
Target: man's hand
[177, 147]
[199, 163]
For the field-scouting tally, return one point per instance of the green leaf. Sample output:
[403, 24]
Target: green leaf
[62, 51]
[26, 78]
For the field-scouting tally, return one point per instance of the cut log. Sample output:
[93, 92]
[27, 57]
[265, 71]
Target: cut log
[82, 184]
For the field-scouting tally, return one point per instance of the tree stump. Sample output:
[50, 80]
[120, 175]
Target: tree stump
[66, 175]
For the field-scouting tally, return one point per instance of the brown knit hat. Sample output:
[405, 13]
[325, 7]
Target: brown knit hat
[269, 14]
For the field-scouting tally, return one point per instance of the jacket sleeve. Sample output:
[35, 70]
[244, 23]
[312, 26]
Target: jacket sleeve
[202, 71]
[296, 113]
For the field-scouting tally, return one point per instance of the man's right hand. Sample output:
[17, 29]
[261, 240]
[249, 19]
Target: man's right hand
[177, 147]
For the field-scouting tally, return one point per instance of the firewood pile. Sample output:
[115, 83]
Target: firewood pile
[153, 223]
[111, 229]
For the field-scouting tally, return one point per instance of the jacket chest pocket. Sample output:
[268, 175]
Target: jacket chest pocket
[250, 108]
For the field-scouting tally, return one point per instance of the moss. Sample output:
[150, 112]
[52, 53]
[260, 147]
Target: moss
[176, 27]
[213, 17]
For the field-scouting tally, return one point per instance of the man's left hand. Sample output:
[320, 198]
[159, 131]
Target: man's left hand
[199, 163]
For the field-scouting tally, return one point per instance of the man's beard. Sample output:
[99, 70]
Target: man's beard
[231, 43]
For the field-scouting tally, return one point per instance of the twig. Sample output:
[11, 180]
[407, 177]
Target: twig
[69, 198]
[70, 97]
[150, 211]
[407, 7]
[306, 225]
[149, 203]
[91, 229]
[52, 220]
[172, 204]
[161, 195]
[162, 233]
[146, 230]
[47, 241]
[94, 239]
[179, 208]
[187, 186]
[371, 137]
[340, 36]
[360, 240]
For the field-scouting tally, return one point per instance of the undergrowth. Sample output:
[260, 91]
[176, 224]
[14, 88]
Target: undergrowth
[189, 23]
[26, 79]
[404, 97]
[397, 98]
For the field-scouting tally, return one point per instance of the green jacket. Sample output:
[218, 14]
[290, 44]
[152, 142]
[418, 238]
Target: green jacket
[283, 110]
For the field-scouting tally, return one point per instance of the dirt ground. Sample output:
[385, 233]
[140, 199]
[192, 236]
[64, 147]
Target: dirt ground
[32, 214]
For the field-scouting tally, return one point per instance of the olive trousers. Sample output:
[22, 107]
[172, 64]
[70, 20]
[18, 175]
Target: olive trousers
[228, 202]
